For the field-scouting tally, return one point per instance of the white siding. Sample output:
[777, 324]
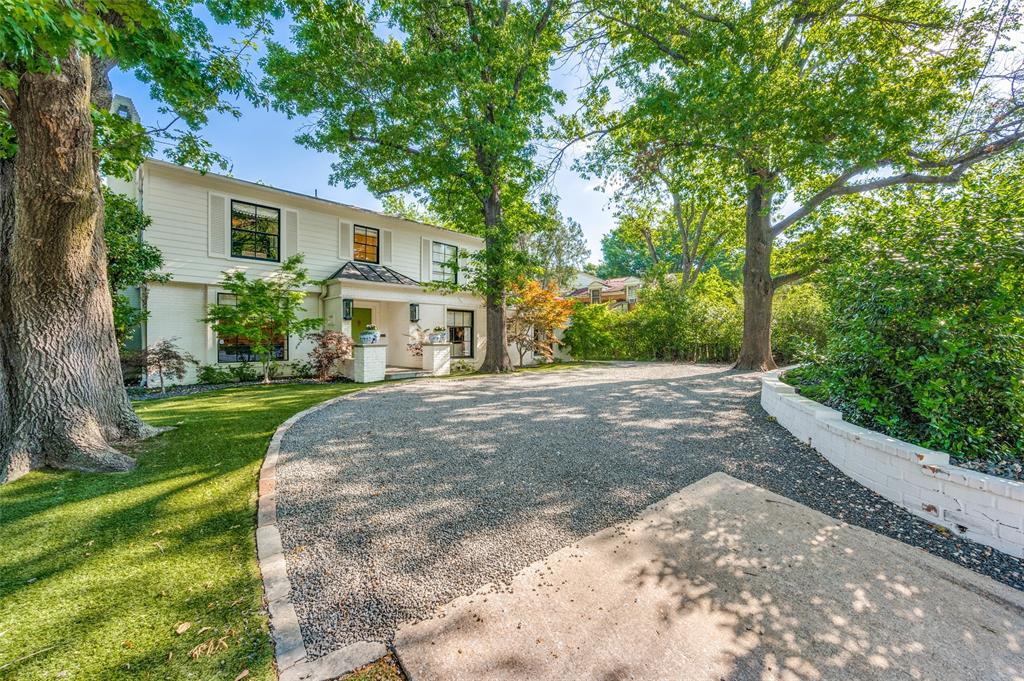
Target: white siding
[178, 200]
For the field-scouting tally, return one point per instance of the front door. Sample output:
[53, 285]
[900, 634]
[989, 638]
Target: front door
[361, 317]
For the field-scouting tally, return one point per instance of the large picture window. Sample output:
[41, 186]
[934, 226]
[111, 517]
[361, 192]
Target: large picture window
[460, 332]
[255, 231]
[238, 348]
[444, 262]
[366, 244]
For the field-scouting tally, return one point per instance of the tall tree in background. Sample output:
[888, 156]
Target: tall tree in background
[62, 401]
[806, 100]
[446, 106]
[556, 245]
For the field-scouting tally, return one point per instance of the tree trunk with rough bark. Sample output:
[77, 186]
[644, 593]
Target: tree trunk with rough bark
[756, 349]
[496, 358]
[62, 399]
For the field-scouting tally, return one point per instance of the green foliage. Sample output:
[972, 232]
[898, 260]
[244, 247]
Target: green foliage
[98, 570]
[264, 310]
[798, 324]
[591, 333]
[243, 372]
[672, 321]
[300, 369]
[167, 45]
[926, 331]
[131, 261]
[440, 100]
[622, 256]
[211, 374]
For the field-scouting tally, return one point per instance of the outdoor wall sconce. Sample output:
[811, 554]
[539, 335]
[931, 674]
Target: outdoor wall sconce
[414, 312]
[346, 308]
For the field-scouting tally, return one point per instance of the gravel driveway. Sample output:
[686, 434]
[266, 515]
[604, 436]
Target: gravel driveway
[395, 501]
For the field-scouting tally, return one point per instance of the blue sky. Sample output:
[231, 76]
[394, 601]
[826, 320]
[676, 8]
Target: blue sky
[260, 147]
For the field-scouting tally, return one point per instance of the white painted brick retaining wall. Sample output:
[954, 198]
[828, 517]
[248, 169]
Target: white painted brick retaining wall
[985, 508]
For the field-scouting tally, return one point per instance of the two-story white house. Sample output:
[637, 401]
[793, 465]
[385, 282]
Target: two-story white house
[373, 266]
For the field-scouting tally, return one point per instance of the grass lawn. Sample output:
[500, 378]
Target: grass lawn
[98, 573]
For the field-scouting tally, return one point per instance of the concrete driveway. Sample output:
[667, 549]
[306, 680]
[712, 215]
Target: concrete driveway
[725, 580]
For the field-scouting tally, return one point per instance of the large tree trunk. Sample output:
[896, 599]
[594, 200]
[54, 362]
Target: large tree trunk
[496, 358]
[62, 399]
[756, 349]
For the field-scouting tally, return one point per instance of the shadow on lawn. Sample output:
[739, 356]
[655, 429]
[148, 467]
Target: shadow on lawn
[103, 567]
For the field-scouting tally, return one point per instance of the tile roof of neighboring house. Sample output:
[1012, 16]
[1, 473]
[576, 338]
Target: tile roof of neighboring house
[616, 284]
[364, 271]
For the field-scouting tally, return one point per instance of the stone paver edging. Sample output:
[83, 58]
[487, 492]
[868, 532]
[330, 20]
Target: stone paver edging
[289, 649]
[982, 507]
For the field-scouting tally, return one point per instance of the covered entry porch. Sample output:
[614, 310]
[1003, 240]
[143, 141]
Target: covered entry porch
[403, 312]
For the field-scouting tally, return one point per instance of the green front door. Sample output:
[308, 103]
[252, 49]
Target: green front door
[361, 316]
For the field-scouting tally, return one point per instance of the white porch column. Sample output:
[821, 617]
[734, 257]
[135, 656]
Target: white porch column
[437, 358]
[369, 362]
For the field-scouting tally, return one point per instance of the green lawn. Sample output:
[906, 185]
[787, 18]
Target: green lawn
[98, 571]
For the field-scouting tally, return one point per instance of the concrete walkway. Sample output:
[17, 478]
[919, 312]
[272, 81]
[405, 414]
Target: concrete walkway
[727, 581]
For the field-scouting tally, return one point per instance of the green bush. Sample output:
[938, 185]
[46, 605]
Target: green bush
[590, 334]
[299, 369]
[703, 322]
[243, 372]
[212, 374]
[798, 324]
[926, 333]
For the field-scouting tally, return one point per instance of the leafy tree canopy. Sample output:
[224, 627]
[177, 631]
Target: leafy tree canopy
[167, 45]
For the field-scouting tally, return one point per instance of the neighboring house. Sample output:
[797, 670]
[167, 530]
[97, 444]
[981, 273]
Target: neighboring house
[619, 293]
[373, 265]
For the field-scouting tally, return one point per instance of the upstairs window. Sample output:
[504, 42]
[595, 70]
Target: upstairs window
[595, 296]
[444, 263]
[255, 231]
[365, 242]
[631, 294]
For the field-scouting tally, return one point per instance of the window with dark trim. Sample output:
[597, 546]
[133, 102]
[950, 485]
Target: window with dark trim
[444, 261]
[365, 244]
[460, 332]
[255, 231]
[231, 349]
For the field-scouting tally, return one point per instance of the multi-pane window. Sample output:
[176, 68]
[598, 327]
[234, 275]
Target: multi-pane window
[255, 231]
[366, 244]
[444, 261]
[631, 294]
[595, 296]
[238, 348]
[460, 332]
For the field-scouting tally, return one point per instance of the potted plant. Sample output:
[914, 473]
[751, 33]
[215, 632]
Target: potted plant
[369, 335]
[438, 334]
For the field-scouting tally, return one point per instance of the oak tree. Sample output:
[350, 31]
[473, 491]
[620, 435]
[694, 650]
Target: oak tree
[62, 401]
[804, 101]
[441, 100]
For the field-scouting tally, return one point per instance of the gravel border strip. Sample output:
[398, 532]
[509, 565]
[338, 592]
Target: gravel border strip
[289, 648]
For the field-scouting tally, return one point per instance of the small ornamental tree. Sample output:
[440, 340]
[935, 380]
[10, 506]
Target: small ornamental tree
[329, 348]
[167, 359]
[537, 313]
[264, 310]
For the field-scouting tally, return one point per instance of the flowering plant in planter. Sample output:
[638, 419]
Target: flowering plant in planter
[369, 334]
[438, 334]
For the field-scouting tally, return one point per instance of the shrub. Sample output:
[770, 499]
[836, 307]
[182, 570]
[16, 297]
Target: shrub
[702, 322]
[329, 348]
[243, 372]
[926, 330]
[590, 334]
[213, 375]
[302, 369]
[798, 324]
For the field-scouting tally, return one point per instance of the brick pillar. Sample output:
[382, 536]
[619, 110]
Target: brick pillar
[437, 358]
[369, 362]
